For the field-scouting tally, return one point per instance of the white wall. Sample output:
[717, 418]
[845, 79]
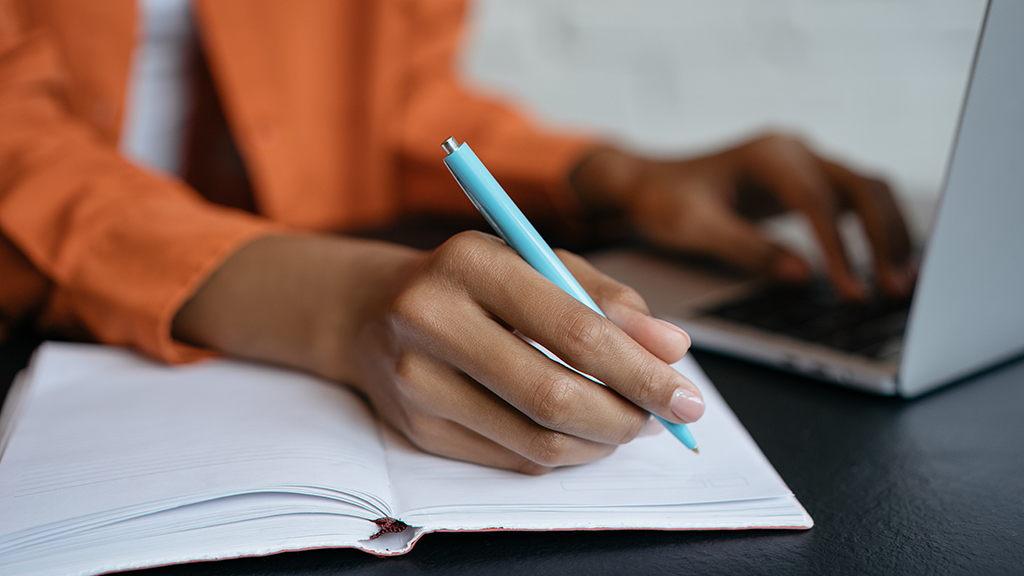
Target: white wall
[877, 82]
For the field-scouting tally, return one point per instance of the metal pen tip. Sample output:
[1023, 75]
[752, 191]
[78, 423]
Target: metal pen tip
[695, 451]
[450, 145]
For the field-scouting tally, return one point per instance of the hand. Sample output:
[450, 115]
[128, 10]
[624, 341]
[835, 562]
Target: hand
[427, 338]
[443, 366]
[706, 205]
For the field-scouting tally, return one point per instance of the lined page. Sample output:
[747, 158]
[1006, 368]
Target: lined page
[650, 475]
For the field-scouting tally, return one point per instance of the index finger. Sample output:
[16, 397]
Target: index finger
[787, 167]
[883, 224]
[593, 345]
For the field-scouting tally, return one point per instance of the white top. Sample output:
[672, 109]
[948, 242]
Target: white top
[158, 94]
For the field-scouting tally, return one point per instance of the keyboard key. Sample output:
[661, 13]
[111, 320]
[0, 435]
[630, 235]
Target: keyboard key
[812, 313]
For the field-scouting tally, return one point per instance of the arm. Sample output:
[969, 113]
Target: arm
[423, 38]
[427, 338]
[89, 222]
[702, 205]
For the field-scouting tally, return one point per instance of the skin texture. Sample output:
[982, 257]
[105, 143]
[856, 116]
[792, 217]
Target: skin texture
[428, 337]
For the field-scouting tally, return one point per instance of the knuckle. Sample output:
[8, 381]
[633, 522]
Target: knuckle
[467, 251]
[556, 402]
[571, 260]
[879, 190]
[647, 389]
[416, 307]
[410, 378]
[620, 293]
[779, 148]
[419, 430]
[415, 387]
[549, 448]
[586, 332]
[406, 368]
[781, 141]
[633, 424]
[434, 435]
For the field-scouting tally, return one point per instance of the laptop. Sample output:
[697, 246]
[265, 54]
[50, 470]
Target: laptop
[967, 310]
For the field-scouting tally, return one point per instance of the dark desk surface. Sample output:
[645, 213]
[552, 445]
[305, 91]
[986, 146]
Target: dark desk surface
[932, 486]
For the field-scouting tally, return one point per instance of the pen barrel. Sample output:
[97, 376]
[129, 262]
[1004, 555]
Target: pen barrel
[680, 431]
[509, 222]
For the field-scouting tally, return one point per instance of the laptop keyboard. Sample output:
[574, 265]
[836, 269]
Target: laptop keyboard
[813, 313]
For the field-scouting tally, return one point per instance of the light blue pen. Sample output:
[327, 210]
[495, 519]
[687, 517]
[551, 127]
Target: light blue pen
[510, 223]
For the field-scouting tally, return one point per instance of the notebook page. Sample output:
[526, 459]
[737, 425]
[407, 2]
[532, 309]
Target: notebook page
[106, 436]
[247, 525]
[649, 474]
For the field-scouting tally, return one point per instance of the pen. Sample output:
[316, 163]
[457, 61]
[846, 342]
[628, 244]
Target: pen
[513, 227]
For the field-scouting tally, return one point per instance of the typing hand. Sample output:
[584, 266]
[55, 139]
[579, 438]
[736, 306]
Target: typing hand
[444, 368]
[428, 339]
[707, 205]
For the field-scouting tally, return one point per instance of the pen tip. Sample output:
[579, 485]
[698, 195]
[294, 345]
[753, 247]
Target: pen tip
[695, 451]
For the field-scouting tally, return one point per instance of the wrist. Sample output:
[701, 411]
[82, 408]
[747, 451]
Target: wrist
[298, 301]
[604, 178]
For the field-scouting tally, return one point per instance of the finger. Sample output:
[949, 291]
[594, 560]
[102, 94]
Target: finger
[627, 309]
[454, 314]
[589, 343]
[735, 240]
[442, 393]
[787, 167]
[886, 230]
[550, 395]
[451, 440]
[653, 428]
[697, 220]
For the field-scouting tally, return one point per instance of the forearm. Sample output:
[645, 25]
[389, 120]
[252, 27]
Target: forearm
[295, 300]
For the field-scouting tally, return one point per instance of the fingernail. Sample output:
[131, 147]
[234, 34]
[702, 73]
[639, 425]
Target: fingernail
[675, 329]
[687, 405]
[789, 268]
[652, 428]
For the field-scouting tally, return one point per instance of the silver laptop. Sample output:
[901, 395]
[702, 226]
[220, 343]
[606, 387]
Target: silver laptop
[967, 310]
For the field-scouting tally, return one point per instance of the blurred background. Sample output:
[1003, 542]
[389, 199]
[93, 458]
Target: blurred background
[877, 83]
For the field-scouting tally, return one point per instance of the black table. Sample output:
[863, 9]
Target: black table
[932, 486]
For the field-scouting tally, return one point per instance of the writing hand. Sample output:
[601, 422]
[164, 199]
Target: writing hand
[428, 339]
[455, 380]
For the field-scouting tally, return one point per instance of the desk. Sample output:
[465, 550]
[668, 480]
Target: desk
[931, 486]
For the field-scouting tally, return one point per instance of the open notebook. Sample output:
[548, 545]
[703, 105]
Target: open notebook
[109, 462]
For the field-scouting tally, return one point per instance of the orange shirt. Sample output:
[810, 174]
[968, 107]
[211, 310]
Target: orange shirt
[338, 108]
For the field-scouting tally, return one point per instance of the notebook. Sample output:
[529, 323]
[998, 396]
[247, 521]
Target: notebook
[966, 311]
[110, 462]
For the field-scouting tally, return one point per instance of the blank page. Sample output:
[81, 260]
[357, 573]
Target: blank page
[642, 479]
[110, 445]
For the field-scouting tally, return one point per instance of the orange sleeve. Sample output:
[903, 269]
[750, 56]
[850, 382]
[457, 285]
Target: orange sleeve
[121, 249]
[532, 165]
